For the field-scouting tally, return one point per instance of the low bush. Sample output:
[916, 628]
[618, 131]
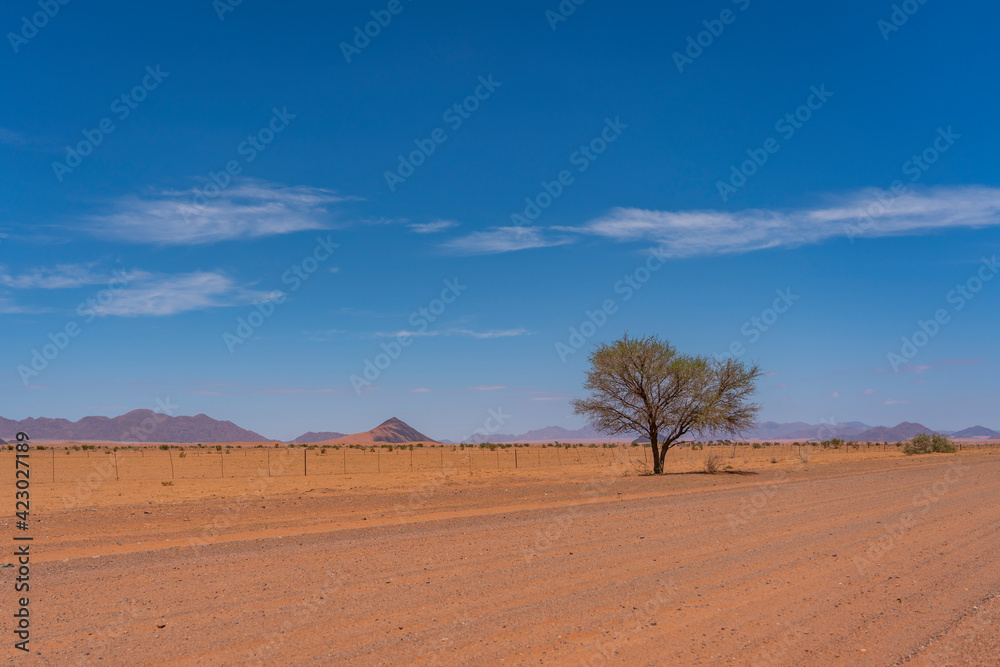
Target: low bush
[927, 443]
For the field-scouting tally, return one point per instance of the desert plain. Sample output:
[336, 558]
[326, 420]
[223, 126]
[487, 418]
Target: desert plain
[834, 558]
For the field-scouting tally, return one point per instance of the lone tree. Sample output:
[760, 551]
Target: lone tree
[642, 385]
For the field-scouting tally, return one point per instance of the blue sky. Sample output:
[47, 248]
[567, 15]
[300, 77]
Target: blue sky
[170, 169]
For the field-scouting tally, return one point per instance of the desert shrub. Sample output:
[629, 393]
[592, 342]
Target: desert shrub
[164, 447]
[774, 459]
[712, 464]
[41, 448]
[757, 445]
[926, 443]
[182, 455]
[696, 446]
[804, 455]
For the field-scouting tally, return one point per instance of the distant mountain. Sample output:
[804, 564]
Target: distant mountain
[803, 431]
[314, 436]
[3, 442]
[976, 432]
[898, 433]
[134, 426]
[547, 434]
[390, 431]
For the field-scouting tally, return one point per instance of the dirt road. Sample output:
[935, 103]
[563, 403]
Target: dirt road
[863, 563]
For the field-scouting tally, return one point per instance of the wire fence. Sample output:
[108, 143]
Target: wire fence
[64, 465]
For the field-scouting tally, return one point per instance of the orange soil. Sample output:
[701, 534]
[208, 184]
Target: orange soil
[861, 559]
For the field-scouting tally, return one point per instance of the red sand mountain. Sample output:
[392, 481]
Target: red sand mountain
[391, 431]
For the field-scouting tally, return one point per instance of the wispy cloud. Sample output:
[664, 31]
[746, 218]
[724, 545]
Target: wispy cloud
[154, 295]
[246, 210]
[501, 333]
[893, 401]
[488, 387]
[868, 392]
[296, 390]
[12, 138]
[323, 336]
[420, 390]
[503, 239]
[62, 276]
[713, 232]
[432, 227]
[689, 233]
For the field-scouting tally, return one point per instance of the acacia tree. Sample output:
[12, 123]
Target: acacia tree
[642, 385]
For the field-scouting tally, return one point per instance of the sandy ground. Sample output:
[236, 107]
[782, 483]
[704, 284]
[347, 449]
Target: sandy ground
[868, 560]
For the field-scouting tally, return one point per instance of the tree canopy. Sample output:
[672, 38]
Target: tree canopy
[643, 385]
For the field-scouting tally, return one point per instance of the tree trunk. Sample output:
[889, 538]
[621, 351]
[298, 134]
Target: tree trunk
[657, 459]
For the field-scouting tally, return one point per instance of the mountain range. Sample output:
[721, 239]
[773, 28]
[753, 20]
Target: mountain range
[155, 427]
[134, 426]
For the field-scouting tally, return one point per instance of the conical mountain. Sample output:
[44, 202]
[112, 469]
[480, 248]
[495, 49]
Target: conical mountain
[391, 431]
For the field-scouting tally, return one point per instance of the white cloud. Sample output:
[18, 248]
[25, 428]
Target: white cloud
[247, 209]
[153, 295]
[896, 402]
[420, 390]
[12, 138]
[433, 227]
[488, 387]
[62, 276]
[689, 233]
[503, 239]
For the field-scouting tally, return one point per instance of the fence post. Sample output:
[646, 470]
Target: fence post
[411, 458]
[378, 459]
[171, 457]
[345, 459]
[222, 461]
[305, 462]
[53, 465]
[116, 465]
[268, 451]
[498, 458]
[515, 459]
